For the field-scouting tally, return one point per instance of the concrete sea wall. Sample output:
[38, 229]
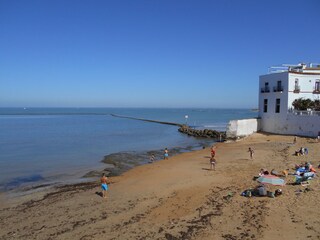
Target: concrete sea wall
[242, 128]
[300, 125]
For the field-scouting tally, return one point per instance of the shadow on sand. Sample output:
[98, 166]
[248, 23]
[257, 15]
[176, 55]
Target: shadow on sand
[99, 194]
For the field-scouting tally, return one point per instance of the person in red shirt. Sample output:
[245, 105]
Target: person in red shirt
[213, 151]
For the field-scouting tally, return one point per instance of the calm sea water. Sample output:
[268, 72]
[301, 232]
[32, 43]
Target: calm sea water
[54, 144]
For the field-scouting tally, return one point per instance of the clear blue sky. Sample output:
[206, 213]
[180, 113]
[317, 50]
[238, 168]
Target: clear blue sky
[152, 53]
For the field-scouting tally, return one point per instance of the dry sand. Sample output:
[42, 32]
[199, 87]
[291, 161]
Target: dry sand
[179, 199]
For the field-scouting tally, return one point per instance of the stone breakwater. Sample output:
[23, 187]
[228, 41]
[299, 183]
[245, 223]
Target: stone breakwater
[205, 133]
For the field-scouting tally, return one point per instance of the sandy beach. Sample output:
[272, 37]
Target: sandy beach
[179, 198]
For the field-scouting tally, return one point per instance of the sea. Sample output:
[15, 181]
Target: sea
[41, 146]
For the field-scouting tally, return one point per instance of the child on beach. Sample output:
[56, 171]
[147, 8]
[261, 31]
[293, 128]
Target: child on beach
[295, 140]
[250, 150]
[166, 154]
[104, 185]
[212, 163]
[213, 151]
[152, 158]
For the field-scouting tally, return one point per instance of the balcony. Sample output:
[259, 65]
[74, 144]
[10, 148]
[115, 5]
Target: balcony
[278, 89]
[296, 89]
[265, 89]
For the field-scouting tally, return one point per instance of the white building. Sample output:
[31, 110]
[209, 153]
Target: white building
[279, 89]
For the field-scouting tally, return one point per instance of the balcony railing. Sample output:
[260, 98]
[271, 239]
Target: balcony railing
[278, 89]
[265, 89]
[296, 89]
[304, 113]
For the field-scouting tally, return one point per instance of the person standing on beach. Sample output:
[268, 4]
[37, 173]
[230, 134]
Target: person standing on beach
[251, 152]
[213, 151]
[166, 154]
[104, 185]
[212, 163]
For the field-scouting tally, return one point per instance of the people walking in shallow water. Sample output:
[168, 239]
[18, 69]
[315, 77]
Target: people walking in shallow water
[104, 185]
[166, 154]
[251, 152]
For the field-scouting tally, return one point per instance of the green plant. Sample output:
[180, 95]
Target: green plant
[304, 104]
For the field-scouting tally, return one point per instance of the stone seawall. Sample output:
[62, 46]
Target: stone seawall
[205, 133]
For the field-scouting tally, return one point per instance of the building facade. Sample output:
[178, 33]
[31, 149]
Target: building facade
[278, 90]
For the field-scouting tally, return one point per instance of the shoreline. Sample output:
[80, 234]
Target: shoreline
[179, 198]
[113, 164]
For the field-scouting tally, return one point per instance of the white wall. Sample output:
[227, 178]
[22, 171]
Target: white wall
[272, 96]
[242, 128]
[293, 125]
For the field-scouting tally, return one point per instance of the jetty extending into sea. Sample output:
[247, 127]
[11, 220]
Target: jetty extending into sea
[183, 128]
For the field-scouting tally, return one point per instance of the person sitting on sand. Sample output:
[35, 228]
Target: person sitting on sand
[301, 152]
[212, 163]
[152, 158]
[263, 172]
[104, 185]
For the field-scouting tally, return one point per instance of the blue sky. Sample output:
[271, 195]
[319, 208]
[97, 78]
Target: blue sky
[168, 53]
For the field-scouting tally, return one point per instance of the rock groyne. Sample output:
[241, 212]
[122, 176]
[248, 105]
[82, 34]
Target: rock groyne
[204, 133]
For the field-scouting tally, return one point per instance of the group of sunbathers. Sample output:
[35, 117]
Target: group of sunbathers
[261, 191]
[304, 172]
[273, 172]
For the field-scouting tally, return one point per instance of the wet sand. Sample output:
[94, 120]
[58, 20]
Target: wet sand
[178, 199]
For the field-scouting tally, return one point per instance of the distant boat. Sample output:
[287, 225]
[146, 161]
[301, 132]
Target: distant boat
[255, 109]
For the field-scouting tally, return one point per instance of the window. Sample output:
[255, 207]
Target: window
[279, 87]
[279, 84]
[266, 87]
[277, 105]
[317, 86]
[296, 86]
[265, 105]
